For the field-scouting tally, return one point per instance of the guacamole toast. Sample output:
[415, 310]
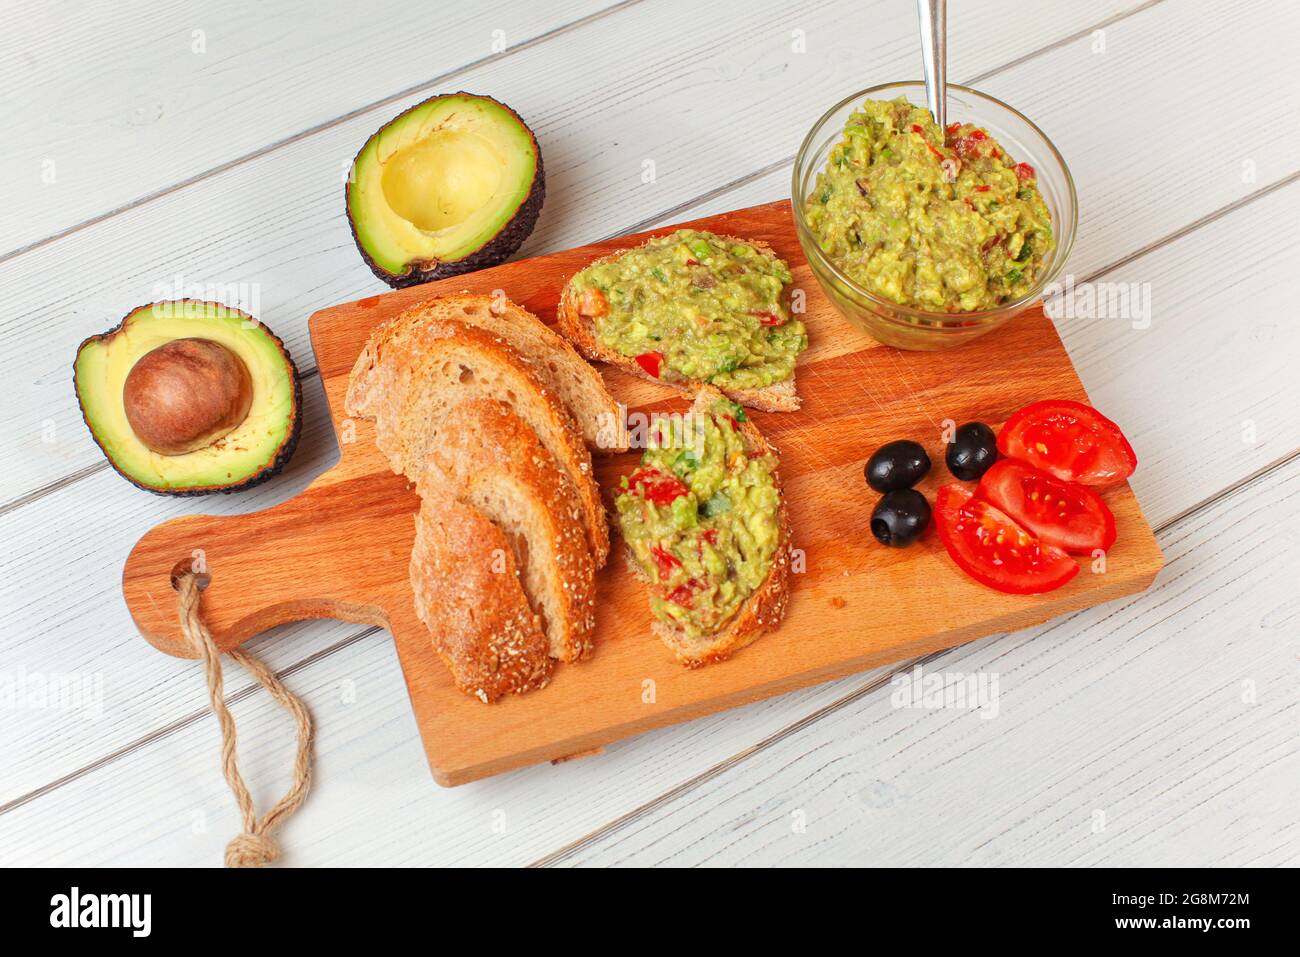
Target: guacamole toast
[707, 528]
[690, 309]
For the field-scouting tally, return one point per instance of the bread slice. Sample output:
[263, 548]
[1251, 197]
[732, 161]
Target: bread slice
[468, 363]
[467, 591]
[493, 461]
[763, 610]
[580, 330]
[549, 354]
[379, 380]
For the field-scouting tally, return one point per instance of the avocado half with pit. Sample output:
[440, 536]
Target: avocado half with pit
[452, 185]
[189, 397]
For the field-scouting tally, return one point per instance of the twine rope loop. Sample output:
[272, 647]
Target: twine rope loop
[254, 847]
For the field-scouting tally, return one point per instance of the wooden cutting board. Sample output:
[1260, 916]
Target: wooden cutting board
[340, 549]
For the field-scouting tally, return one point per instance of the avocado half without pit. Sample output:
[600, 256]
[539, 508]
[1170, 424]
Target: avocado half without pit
[188, 397]
[452, 185]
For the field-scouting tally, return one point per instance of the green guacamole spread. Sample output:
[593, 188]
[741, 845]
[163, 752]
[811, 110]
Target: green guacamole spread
[700, 515]
[940, 220]
[696, 305]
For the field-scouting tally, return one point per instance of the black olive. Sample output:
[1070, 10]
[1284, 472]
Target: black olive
[897, 465]
[900, 517]
[973, 449]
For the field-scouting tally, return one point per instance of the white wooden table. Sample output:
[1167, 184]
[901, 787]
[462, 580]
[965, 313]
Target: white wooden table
[146, 141]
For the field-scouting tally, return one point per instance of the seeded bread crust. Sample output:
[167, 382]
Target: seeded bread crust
[778, 397]
[468, 593]
[765, 608]
[511, 526]
[491, 460]
[550, 355]
[401, 386]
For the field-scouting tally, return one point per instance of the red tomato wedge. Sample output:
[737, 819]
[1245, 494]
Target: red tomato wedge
[992, 549]
[650, 362]
[1064, 514]
[1073, 441]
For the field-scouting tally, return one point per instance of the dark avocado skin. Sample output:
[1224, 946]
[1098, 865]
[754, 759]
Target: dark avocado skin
[267, 472]
[492, 253]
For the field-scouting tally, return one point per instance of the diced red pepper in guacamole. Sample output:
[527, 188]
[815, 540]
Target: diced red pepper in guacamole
[700, 516]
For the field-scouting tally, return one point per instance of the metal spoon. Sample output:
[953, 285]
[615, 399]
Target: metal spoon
[933, 15]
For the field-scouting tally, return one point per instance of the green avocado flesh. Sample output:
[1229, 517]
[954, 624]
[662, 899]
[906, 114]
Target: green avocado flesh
[943, 221]
[454, 183]
[701, 518]
[251, 452]
[703, 307]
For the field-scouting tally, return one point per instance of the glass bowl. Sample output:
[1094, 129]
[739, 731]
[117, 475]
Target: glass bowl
[904, 326]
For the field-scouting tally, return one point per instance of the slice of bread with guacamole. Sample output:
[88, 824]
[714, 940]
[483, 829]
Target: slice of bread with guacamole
[706, 527]
[689, 309]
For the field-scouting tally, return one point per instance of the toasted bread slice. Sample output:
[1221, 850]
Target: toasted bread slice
[580, 330]
[493, 461]
[462, 362]
[468, 592]
[763, 610]
[550, 355]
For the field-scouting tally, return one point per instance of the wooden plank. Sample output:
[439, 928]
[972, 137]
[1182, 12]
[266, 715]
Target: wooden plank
[107, 104]
[47, 554]
[342, 548]
[64, 623]
[1154, 731]
[1184, 770]
[1206, 379]
[371, 803]
[1214, 371]
[633, 771]
[651, 84]
[654, 761]
[1188, 369]
[273, 223]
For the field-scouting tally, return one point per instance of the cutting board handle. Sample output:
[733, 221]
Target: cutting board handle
[278, 565]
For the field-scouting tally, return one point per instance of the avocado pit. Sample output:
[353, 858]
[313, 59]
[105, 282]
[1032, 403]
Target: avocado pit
[186, 394]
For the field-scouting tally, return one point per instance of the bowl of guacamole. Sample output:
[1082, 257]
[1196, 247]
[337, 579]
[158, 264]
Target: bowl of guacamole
[926, 237]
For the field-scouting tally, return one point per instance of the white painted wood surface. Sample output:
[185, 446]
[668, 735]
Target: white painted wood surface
[1124, 734]
[109, 103]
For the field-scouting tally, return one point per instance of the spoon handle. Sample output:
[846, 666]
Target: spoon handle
[933, 15]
